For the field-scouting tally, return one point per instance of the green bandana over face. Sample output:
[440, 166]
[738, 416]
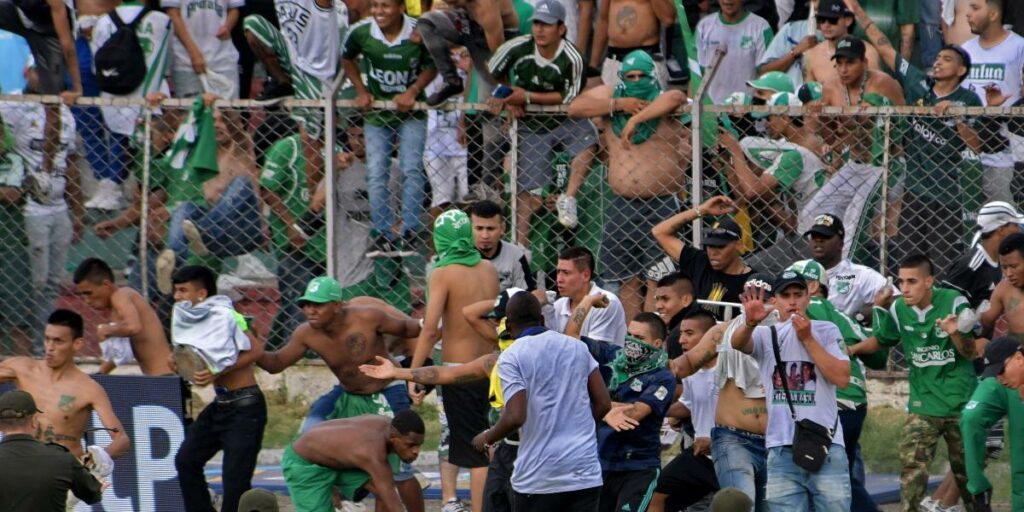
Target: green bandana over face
[453, 240]
[647, 88]
[635, 358]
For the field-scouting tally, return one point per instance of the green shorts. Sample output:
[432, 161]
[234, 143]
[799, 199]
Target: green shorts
[350, 405]
[310, 484]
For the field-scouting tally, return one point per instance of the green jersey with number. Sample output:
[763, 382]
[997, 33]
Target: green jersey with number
[853, 333]
[390, 66]
[519, 61]
[941, 379]
[284, 173]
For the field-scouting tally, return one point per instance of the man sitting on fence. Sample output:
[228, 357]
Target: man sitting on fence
[646, 163]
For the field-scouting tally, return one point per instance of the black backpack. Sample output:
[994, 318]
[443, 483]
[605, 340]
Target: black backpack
[120, 63]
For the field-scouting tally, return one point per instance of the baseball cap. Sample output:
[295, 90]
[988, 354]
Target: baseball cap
[17, 404]
[722, 232]
[775, 81]
[789, 278]
[809, 91]
[809, 269]
[851, 48]
[502, 302]
[257, 500]
[321, 290]
[737, 98]
[761, 280]
[996, 354]
[833, 9]
[549, 12]
[997, 214]
[779, 99]
[731, 499]
[828, 225]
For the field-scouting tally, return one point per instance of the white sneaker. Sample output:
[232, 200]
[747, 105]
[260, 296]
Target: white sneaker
[454, 505]
[164, 270]
[348, 506]
[195, 238]
[566, 206]
[108, 196]
[929, 504]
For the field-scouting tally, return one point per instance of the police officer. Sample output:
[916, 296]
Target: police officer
[36, 477]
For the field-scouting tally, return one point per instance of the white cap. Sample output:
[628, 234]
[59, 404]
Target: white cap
[997, 214]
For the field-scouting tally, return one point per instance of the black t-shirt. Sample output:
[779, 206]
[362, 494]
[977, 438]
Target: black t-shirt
[708, 283]
[974, 276]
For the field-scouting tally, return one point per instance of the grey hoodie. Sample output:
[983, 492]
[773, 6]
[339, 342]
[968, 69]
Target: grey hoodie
[212, 328]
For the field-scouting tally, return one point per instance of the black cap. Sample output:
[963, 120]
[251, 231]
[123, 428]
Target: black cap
[833, 9]
[789, 278]
[996, 354]
[761, 280]
[502, 302]
[828, 225]
[17, 404]
[851, 48]
[722, 232]
[964, 57]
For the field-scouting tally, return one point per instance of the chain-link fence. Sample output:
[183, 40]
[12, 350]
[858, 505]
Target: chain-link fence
[241, 188]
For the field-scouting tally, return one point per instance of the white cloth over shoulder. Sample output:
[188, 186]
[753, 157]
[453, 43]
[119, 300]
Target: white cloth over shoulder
[212, 329]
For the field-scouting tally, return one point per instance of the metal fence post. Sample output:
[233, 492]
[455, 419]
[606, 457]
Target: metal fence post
[883, 253]
[147, 158]
[330, 159]
[513, 173]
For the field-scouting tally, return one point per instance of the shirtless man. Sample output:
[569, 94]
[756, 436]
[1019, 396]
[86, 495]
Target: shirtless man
[465, 405]
[346, 336]
[66, 393]
[357, 455]
[479, 25]
[647, 147]
[835, 22]
[638, 26]
[131, 316]
[1008, 297]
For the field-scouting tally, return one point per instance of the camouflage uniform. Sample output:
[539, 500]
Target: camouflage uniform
[916, 450]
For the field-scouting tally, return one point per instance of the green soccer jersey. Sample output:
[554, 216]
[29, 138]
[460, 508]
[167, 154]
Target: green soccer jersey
[853, 333]
[284, 173]
[390, 66]
[941, 379]
[935, 150]
[798, 170]
[521, 64]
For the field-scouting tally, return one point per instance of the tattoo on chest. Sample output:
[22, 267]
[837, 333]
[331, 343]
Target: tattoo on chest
[626, 18]
[355, 343]
[1013, 303]
[66, 403]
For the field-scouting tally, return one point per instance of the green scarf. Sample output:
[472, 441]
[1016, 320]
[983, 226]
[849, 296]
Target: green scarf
[635, 358]
[453, 240]
[646, 89]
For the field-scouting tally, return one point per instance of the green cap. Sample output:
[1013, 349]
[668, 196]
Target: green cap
[17, 404]
[257, 500]
[321, 290]
[810, 269]
[779, 99]
[731, 499]
[775, 81]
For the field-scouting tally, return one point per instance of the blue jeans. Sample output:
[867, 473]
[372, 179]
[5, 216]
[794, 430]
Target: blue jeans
[853, 421]
[410, 137]
[232, 227]
[929, 31]
[106, 152]
[791, 487]
[294, 271]
[740, 462]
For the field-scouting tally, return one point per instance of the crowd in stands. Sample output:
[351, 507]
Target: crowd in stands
[810, 209]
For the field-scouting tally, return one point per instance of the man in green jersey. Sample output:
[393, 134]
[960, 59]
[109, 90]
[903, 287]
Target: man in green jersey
[939, 149]
[397, 69]
[934, 325]
[853, 399]
[542, 68]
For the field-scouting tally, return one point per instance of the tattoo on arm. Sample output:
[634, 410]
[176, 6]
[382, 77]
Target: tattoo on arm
[425, 375]
[579, 316]
[882, 41]
[705, 359]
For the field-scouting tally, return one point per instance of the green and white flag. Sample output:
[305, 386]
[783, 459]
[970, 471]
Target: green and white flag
[193, 153]
[709, 121]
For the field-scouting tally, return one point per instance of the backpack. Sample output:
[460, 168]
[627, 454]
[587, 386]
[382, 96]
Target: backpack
[120, 63]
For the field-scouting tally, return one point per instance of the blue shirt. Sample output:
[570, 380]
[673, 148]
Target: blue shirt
[14, 51]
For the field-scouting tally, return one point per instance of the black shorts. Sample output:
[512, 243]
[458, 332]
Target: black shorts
[686, 480]
[498, 488]
[465, 407]
[583, 500]
[627, 490]
[42, 40]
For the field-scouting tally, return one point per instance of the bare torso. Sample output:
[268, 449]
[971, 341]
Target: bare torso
[233, 163]
[395, 345]
[651, 169]
[150, 345]
[960, 31]
[632, 23]
[345, 444]
[821, 67]
[464, 285]
[855, 131]
[356, 342]
[509, 17]
[95, 7]
[1013, 309]
[737, 411]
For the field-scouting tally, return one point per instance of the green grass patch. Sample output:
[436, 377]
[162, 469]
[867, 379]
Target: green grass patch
[429, 414]
[880, 439]
[283, 417]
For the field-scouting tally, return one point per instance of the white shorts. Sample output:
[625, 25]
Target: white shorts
[448, 177]
[846, 195]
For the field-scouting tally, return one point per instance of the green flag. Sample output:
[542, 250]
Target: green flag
[194, 149]
[709, 121]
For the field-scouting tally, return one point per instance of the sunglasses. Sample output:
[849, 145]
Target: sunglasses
[829, 21]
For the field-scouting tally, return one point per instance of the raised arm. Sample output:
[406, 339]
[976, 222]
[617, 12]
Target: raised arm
[693, 360]
[754, 311]
[750, 184]
[666, 231]
[579, 315]
[875, 35]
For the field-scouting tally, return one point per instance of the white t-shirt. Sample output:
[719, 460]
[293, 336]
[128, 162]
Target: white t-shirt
[813, 397]
[443, 125]
[700, 396]
[852, 286]
[312, 34]
[203, 18]
[153, 35]
[788, 37]
[558, 442]
[799, 172]
[746, 40]
[605, 324]
[26, 122]
[1000, 65]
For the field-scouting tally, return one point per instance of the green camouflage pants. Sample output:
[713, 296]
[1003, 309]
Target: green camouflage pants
[918, 441]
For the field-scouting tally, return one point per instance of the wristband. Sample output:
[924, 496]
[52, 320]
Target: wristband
[527, 97]
[700, 214]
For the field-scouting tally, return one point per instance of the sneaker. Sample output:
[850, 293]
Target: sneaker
[164, 270]
[454, 505]
[195, 238]
[273, 92]
[481, 192]
[929, 504]
[566, 206]
[385, 248]
[449, 89]
[348, 506]
[983, 501]
[39, 186]
[413, 243]
[108, 196]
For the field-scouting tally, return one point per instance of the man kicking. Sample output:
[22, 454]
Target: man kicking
[357, 455]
